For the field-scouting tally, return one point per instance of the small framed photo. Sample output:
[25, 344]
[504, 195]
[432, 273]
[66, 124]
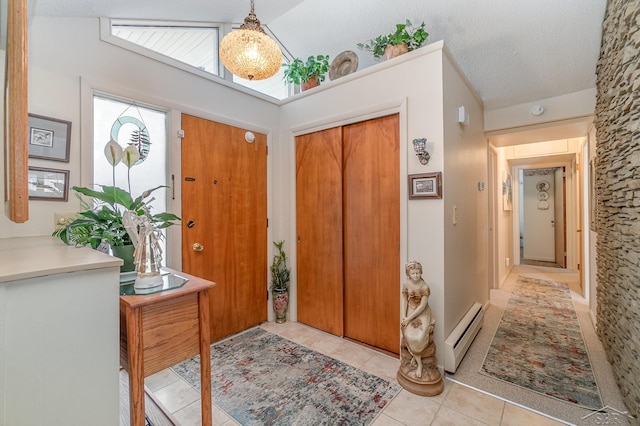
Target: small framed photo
[425, 185]
[48, 184]
[49, 138]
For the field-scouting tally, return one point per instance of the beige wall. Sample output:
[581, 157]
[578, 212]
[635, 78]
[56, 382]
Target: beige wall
[466, 242]
[412, 86]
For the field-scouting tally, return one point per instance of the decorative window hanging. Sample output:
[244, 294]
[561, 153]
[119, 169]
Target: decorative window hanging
[139, 137]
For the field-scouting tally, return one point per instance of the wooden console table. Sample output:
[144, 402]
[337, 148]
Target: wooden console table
[162, 329]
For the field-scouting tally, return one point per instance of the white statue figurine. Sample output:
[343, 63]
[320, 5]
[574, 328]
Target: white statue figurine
[418, 371]
[418, 321]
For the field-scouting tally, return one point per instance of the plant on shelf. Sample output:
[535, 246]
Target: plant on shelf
[307, 74]
[101, 220]
[280, 274]
[406, 37]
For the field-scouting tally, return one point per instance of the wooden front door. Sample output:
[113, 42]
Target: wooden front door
[371, 210]
[224, 221]
[319, 229]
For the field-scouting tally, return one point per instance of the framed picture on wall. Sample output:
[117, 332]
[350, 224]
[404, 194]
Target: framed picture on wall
[425, 185]
[49, 138]
[48, 184]
[507, 191]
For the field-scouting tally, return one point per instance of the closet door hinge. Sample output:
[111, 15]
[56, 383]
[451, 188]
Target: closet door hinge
[267, 222]
[181, 134]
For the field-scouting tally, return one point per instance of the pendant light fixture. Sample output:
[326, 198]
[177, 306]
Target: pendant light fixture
[249, 52]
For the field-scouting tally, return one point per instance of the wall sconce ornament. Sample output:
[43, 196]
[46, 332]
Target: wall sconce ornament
[420, 147]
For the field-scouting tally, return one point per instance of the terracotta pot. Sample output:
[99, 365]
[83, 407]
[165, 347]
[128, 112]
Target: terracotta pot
[312, 82]
[393, 51]
[280, 304]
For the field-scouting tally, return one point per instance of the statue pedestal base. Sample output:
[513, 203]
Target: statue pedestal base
[420, 386]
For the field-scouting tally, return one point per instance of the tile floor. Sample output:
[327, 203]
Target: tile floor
[457, 405]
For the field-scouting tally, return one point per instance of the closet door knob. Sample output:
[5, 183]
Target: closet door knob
[198, 247]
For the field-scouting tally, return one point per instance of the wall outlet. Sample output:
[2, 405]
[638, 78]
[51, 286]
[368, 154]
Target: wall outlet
[455, 215]
[62, 218]
[507, 261]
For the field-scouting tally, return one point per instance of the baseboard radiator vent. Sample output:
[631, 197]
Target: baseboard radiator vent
[456, 345]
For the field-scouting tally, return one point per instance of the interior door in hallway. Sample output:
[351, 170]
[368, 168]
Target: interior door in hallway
[371, 176]
[538, 215]
[319, 229]
[224, 221]
[559, 213]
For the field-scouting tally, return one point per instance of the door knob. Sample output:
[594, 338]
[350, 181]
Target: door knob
[198, 247]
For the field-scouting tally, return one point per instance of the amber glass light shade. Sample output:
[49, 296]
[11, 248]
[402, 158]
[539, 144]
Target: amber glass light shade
[249, 53]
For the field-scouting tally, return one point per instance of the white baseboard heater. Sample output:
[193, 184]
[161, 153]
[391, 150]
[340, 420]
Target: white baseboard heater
[456, 345]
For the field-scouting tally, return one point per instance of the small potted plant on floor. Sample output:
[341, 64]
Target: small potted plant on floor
[307, 74]
[280, 283]
[404, 39]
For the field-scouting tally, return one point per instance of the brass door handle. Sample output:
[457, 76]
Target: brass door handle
[198, 247]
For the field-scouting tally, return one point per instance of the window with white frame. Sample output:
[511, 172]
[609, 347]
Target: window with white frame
[123, 122]
[194, 44]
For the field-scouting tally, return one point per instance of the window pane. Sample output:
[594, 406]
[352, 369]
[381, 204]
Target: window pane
[145, 175]
[274, 86]
[191, 44]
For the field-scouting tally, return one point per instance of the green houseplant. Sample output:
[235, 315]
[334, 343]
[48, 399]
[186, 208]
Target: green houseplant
[406, 37]
[280, 274]
[101, 220]
[307, 74]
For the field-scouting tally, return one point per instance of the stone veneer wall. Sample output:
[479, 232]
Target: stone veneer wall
[618, 195]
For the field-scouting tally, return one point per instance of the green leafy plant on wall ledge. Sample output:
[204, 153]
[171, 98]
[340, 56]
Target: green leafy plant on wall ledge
[314, 69]
[408, 34]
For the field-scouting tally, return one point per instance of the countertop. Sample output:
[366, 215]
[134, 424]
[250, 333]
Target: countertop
[31, 257]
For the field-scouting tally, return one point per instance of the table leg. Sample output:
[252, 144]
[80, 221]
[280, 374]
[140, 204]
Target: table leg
[205, 357]
[136, 374]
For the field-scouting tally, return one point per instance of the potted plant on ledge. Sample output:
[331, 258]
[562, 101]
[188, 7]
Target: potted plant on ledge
[404, 39]
[307, 74]
[280, 283]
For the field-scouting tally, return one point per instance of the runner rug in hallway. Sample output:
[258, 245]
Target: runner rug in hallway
[259, 378]
[539, 345]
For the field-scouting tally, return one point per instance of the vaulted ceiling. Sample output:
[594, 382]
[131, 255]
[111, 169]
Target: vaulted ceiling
[512, 51]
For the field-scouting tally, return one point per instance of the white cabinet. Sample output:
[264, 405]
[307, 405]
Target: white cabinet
[59, 334]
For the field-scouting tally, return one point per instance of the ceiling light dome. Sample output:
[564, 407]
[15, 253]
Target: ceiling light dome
[249, 52]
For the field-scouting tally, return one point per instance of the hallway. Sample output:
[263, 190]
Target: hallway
[468, 371]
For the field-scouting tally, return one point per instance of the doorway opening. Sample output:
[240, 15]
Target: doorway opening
[542, 217]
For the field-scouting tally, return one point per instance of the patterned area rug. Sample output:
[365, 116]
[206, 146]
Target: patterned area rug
[259, 378]
[539, 346]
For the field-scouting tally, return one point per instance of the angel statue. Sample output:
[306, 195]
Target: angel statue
[147, 256]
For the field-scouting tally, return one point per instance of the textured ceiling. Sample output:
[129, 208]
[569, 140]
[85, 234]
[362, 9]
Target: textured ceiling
[512, 51]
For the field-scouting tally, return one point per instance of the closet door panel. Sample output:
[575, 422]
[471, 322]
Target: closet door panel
[371, 208]
[319, 230]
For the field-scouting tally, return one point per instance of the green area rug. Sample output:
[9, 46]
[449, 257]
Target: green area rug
[539, 345]
[259, 378]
